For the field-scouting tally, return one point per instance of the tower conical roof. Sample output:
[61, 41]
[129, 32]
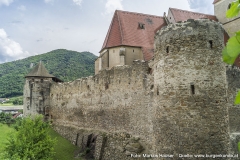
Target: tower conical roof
[39, 71]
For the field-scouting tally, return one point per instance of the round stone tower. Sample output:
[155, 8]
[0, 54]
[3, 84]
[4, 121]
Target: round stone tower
[190, 89]
[37, 91]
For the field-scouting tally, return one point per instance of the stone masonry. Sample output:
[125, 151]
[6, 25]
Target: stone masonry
[175, 104]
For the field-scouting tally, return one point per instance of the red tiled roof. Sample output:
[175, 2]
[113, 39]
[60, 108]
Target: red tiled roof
[16, 115]
[183, 15]
[215, 1]
[124, 30]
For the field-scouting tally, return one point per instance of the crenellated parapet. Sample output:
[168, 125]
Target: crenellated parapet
[191, 35]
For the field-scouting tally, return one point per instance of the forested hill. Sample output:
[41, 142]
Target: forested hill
[63, 64]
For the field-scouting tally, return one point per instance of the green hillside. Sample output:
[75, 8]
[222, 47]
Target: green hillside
[64, 64]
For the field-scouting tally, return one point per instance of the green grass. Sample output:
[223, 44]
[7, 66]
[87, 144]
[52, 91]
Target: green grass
[4, 132]
[6, 104]
[63, 148]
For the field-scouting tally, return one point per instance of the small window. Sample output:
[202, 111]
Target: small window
[150, 70]
[152, 86]
[133, 50]
[106, 86]
[141, 25]
[157, 91]
[170, 17]
[210, 44]
[113, 51]
[192, 89]
[167, 49]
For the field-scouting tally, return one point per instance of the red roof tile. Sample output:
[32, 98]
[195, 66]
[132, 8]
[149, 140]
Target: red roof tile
[183, 15]
[215, 1]
[16, 115]
[124, 30]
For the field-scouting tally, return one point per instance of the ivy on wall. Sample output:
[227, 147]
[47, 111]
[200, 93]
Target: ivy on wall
[232, 49]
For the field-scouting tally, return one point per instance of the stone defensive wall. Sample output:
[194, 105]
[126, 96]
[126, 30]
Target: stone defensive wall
[176, 104]
[233, 76]
[116, 103]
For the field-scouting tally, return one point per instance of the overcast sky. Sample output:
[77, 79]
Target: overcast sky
[29, 27]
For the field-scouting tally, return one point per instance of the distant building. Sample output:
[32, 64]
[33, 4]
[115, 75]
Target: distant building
[131, 36]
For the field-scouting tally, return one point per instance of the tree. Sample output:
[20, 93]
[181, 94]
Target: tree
[17, 101]
[31, 141]
[232, 49]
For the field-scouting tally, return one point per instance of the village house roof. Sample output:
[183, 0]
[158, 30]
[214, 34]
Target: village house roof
[215, 1]
[133, 29]
[183, 15]
[125, 29]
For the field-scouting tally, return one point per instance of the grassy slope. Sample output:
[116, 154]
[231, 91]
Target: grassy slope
[4, 132]
[6, 104]
[63, 148]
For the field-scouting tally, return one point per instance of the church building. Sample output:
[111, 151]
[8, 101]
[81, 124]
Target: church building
[131, 35]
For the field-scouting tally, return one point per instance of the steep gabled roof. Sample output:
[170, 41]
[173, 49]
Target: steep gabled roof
[39, 71]
[183, 15]
[124, 30]
[215, 1]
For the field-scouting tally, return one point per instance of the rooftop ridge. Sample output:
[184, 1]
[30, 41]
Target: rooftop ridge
[109, 30]
[215, 1]
[120, 26]
[191, 12]
[136, 13]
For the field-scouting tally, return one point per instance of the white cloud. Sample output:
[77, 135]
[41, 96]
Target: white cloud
[78, 2]
[9, 49]
[21, 8]
[203, 6]
[112, 5]
[48, 1]
[5, 2]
